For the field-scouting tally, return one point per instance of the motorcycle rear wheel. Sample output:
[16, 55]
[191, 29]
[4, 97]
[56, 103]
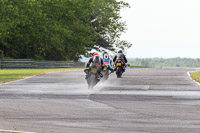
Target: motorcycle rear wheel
[92, 81]
[119, 72]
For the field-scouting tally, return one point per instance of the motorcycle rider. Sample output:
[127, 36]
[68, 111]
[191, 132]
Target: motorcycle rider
[95, 60]
[120, 56]
[107, 61]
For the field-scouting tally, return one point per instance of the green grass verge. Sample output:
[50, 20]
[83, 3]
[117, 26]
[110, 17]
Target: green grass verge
[15, 74]
[195, 76]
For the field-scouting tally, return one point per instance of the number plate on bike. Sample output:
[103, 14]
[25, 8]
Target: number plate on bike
[119, 64]
[93, 70]
[104, 68]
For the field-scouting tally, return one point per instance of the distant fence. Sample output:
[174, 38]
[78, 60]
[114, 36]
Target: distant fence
[28, 63]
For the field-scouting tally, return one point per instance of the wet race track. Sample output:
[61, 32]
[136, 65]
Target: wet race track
[146, 100]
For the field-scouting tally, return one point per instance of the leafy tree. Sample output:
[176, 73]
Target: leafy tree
[59, 29]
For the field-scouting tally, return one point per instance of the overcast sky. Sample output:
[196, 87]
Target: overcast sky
[163, 28]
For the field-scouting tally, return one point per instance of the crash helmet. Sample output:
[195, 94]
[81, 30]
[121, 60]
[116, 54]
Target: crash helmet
[120, 51]
[95, 54]
[105, 55]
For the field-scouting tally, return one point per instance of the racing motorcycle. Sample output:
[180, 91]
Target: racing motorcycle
[92, 76]
[120, 67]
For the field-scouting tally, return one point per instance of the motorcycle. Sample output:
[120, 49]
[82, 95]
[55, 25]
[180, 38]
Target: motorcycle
[119, 68]
[92, 76]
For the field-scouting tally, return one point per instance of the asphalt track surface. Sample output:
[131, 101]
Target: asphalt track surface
[149, 100]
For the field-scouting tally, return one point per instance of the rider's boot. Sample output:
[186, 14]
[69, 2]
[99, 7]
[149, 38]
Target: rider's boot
[86, 77]
[112, 70]
[100, 75]
[86, 71]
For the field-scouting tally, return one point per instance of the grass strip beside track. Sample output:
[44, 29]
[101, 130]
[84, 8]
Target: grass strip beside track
[195, 76]
[7, 75]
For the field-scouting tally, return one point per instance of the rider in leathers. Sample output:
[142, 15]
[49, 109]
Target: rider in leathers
[120, 56]
[107, 61]
[95, 60]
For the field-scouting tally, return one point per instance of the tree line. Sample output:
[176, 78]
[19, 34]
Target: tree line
[59, 29]
[161, 62]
